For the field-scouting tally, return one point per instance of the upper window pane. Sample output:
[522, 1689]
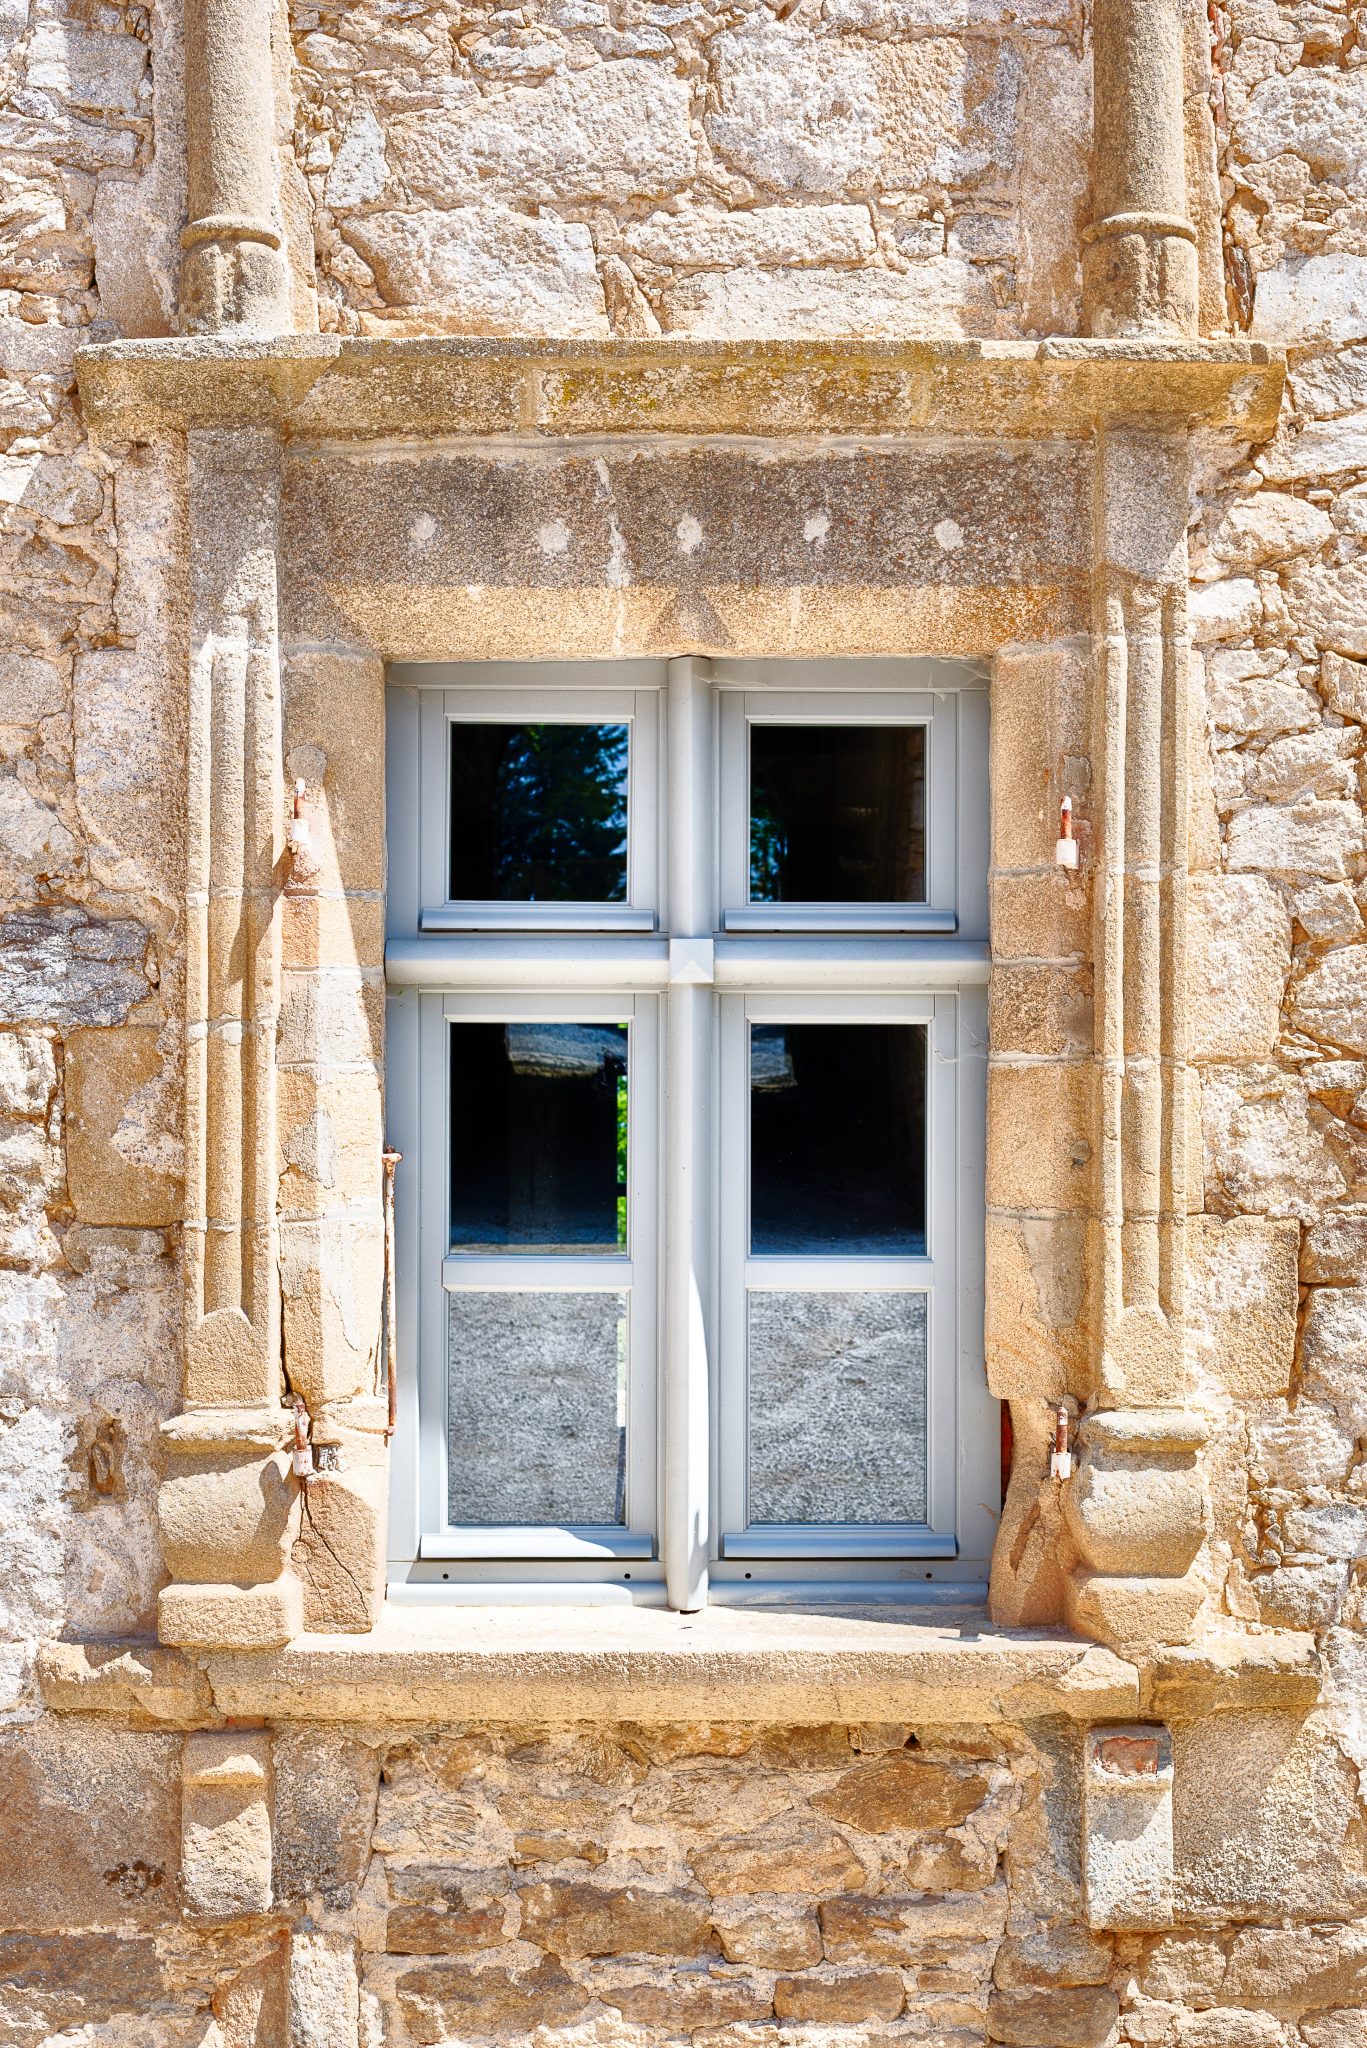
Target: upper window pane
[539, 813]
[538, 1137]
[838, 1139]
[837, 813]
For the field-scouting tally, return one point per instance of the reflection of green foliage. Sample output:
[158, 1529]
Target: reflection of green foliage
[622, 1160]
[768, 851]
[561, 813]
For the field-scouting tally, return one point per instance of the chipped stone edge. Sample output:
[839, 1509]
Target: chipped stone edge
[333, 387]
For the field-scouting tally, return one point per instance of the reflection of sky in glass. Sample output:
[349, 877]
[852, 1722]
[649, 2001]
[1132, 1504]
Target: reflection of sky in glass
[837, 813]
[539, 1137]
[539, 813]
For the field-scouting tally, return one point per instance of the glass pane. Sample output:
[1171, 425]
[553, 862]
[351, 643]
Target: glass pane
[537, 1407]
[838, 1138]
[837, 1407]
[539, 813]
[837, 813]
[538, 1137]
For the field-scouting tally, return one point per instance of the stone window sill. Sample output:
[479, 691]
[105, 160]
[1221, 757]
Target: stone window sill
[644, 1664]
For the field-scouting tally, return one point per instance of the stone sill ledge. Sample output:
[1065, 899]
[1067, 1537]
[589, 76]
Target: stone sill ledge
[323, 387]
[643, 1664]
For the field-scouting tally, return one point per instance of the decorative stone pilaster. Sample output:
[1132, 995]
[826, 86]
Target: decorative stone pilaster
[228, 1505]
[1135, 1509]
[233, 272]
[1139, 267]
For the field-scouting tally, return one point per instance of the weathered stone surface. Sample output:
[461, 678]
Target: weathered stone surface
[104, 1806]
[122, 1159]
[1240, 958]
[1244, 1302]
[895, 1929]
[63, 967]
[508, 274]
[766, 1931]
[1052, 2019]
[324, 1806]
[785, 1855]
[444, 1998]
[584, 1920]
[684, 2001]
[903, 1792]
[846, 2000]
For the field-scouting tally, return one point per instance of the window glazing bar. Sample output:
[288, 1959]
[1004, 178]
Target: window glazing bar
[685, 1526]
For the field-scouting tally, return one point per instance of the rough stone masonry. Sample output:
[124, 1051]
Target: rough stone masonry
[240, 1804]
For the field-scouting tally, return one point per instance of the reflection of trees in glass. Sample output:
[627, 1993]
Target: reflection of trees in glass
[837, 813]
[539, 813]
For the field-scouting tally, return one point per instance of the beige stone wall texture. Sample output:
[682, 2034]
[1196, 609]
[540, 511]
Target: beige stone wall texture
[619, 166]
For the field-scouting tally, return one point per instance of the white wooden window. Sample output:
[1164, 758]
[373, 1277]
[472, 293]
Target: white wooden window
[741, 909]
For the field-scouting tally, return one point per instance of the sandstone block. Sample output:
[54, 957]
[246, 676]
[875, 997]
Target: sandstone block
[324, 1804]
[88, 1830]
[1244, 1302]
[226, 1823]
[847, 2000]
[1331, 1002]
[1039, 1136]
[31, 688]
[681, 2002]
[1052, 2019]
[1298, 1969]
[794, 114]
[1255, 693]
[786, 1855]
[903, 1792]
[613, 132]
[1334, 1248]
[1311, 764]
[50, 1983]
[122, 1156]
[768, 1932]
[1042, 1010]
[1270, 526]
[1265, 1152]
[1240, 939]
[1127, 1827]
[589, 1920]
[902, 1929]
[1228, 610]
[339, 1553]
[1054, 1958]
[62, 967]
[1331, 604]
[419, 1931]
[504, 272]
[28, 1073]
[442, 1999]
[1039, 1269]
[1317, 451]
[209, 1617]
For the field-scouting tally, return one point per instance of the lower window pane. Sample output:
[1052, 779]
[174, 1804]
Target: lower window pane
[837, 1407]
[536, 1407]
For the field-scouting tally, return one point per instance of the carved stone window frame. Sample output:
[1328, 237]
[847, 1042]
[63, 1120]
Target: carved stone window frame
[292, 619]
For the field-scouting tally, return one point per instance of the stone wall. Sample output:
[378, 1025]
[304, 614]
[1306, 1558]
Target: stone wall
[624, 1884]
[585, 166]
[580, 169]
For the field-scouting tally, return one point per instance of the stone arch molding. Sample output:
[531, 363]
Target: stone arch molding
[352, 502]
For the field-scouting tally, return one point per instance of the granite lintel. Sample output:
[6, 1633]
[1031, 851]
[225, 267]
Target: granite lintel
[333, 388]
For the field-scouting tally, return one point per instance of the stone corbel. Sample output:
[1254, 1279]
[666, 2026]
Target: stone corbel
[233, 272]
[1139, 264]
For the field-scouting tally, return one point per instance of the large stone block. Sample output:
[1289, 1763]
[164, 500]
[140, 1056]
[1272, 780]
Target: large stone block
[1127, 1827]
[123, 1156]
[1240, 939]
[1243, 1302]
[89, 1827]
[325, 1787]
[226, 1823]
[495, 270]
[1041, 1136]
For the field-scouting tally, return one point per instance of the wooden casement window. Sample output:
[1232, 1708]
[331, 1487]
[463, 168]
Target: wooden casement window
[817, 867]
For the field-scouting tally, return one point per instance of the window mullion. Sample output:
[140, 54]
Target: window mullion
[685, 1523]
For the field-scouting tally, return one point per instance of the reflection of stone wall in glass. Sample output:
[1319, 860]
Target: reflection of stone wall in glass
[536, 1407]
[837, 1407]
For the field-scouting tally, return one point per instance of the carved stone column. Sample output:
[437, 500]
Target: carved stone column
[1139, 268]
[229, 1505]
[1136, 1507]
[233, 273]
